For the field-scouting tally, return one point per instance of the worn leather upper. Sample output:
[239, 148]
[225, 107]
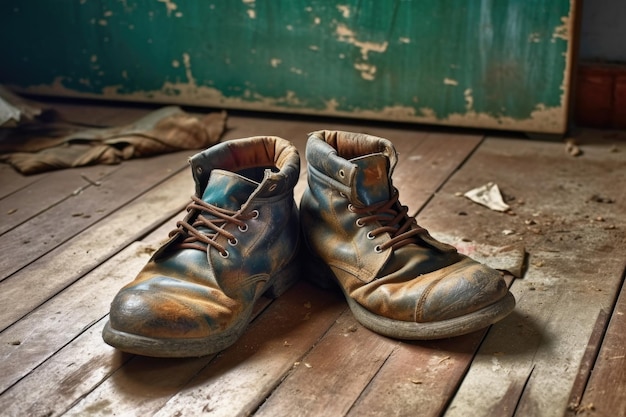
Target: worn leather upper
[349, 179]
[190, 293]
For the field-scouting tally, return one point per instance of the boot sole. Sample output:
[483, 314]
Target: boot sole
[320, 274]
[456, 326]
[182, 348]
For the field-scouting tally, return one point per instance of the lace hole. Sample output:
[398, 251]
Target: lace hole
[199, 169]
[273, 187]
[359, 223]
[225, 254]
[342, 173]
[233, 241]
[243, 229]
[370, 236]
[255, 214]
[378, 249]
[351, 208]
[343, 195]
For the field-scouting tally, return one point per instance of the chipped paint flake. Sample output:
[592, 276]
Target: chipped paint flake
[275, 62]
[344, 34]
[562, 31]
[404, 40]
[251, 13]
[368, 71]
[188, 73]
[344, 10]
[469, 99]
[169, 5]
[314, 47]
[450, 81]
[175, 63]
[317, 20]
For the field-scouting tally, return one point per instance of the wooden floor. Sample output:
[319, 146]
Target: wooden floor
[70, 239]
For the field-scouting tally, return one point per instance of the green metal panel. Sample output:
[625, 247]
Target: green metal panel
[489, 63]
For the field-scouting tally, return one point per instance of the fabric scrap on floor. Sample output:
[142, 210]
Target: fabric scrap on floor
[167, 129]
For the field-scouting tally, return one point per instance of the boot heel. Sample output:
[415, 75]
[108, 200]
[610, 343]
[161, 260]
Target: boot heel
[285, 278]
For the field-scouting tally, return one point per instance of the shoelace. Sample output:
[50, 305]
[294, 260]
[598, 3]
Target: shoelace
[200, 239]
[394, 219]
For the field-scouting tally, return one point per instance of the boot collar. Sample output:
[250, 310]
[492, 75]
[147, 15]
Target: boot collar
[253, 152]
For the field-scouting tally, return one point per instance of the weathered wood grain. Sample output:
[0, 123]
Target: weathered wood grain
[529, 361]
[604, 393]
[70, 261]
[235, 382]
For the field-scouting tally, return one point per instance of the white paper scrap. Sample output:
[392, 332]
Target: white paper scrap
[488, 195]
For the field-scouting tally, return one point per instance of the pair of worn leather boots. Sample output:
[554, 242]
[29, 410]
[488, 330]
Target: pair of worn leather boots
[244, 236]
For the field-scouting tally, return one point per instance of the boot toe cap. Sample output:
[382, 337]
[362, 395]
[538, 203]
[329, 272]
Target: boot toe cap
[469, 289]
[168, 308]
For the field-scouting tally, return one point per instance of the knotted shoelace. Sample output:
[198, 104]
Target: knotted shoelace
[394, 219]
[204, 231]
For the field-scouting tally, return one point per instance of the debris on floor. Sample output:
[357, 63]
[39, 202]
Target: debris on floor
[572, 148]
[40, 146]
[488, 195]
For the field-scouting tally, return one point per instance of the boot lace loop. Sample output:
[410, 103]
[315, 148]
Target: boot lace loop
[394, 219]
[208, 225]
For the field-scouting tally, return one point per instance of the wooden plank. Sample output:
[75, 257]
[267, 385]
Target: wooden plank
[418, 378]
[33, 239]
[604, 393]
[47, 192]
[318, 384]
[90, 248]
[29, 342]
[235, 382]
[12, 181]
[529, 361]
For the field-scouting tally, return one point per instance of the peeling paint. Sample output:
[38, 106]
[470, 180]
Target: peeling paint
[344, 10]
[317, 20]
[469, 99]
[275, 62]
[404, 40]
[169, 5]
[251, 13]
[450, 81]
[187, 63]
[543, 119]
[344, 34]
[562, 31]
[368, 71]
[314, 47]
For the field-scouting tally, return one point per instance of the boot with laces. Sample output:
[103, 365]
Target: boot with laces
[398, 280]
[239, 240]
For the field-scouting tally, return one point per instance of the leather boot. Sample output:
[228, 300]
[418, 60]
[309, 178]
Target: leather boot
[397, 279]
[239, 240]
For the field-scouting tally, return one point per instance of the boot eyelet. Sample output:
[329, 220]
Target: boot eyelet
[351, 208]
[359, 223]
[342, 173]
[225, 254]
[233, 241]
[370, 236]
[255, 214]
[343, 195]
[243, 229]
[199, 169]
[378, 249]
[273, 187]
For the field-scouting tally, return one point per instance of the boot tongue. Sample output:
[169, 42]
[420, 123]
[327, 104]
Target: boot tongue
[372, 183]
[228, 190]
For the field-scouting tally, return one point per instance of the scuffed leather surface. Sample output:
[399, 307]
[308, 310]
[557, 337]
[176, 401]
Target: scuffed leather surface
[421, 282]
[187, 293]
